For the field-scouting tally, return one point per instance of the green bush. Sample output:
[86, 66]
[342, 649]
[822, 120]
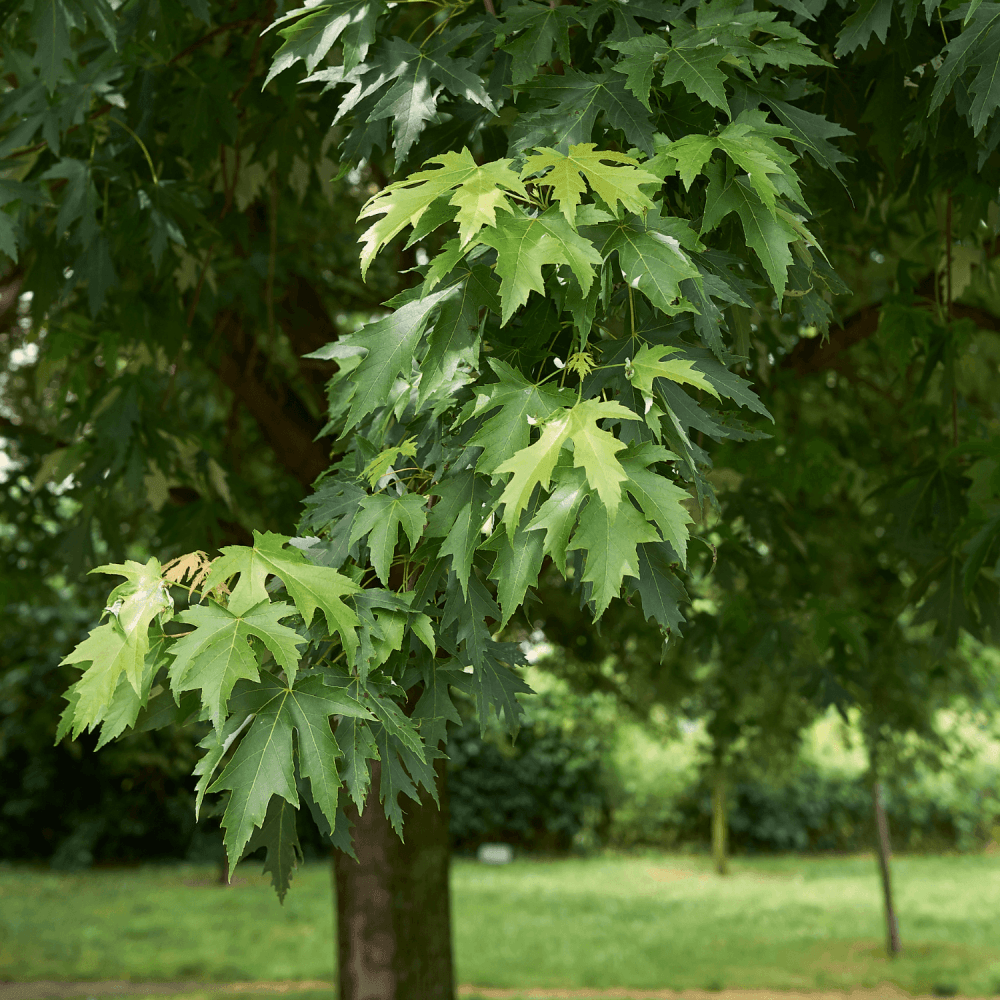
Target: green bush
[546, 791]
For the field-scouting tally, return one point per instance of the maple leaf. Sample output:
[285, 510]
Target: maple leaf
[750, 143]
[311, 587]
[389, 344]
[570, 174]
[812, 133]
[693, 62]
[609, 538]
[662, 501]
[650, 363]
[476, 191]
[278, 835]
[380, 518]
[435, 709]
[594, 450]
[516, 567]
[217, 653]
[464, 502]
[262, 765]
[651, 253]
[120, 646]
[643, 56]
[521, 403]
[976, 46]
[124, 706]
[318, 26]
[454, 338]
[871, 17]
[355, 739]
[524, 244]
[540, 28]
[495, 683]
[659, 589]
[564, 109]
[380, 464]
[557, 515]
[768, 233]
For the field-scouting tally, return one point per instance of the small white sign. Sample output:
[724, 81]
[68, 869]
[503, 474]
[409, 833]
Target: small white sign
[495, 854]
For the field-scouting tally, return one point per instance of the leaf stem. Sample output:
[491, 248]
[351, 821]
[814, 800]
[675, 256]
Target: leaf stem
[142, 146]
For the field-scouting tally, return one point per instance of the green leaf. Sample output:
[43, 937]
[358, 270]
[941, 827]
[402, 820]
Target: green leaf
[380, 518]
[453, 341]
[750, 143]
[651, 253]
[768, 234]
[390, 343]
[281, 839]
[594, 450]
[540, 29]
[217, 653]
[312, 36]
[309, 586]
[977, 45]
[516, 567]
[812, 133]
[358, 745]
[659, 589]
[643, 57]
[570, 174]
[871, 17]
[693, 62]
[662, 501]
[650, 363]
[262, 765]
[477, 193]
[524, 245]
[609, 538]
[120, 646]
[464, 502]
[557, 515]
[50, 28]
[522, 403]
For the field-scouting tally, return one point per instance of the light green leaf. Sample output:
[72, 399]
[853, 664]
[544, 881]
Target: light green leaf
[525, 244]
[569, 175]
[309, 586]
[478, 191]
[217, 653]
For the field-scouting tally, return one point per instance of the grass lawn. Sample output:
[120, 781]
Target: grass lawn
[653, 921]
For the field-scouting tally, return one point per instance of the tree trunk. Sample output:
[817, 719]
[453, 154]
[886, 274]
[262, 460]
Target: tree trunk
[393, 904]
[884, 854]
[720, 821]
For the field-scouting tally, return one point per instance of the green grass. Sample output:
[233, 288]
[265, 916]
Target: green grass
[644, 922]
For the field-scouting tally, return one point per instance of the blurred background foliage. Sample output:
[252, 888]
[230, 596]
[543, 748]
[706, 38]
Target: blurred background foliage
[584, 773]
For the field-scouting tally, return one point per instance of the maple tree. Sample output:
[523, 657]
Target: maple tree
[605, 211]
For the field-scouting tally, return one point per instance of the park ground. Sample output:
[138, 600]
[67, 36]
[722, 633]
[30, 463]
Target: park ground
[638, 926]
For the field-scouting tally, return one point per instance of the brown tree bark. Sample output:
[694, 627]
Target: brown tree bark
[892, 941]
[394, 905]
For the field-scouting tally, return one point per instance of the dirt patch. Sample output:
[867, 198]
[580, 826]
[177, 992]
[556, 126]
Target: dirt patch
[53, 990]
